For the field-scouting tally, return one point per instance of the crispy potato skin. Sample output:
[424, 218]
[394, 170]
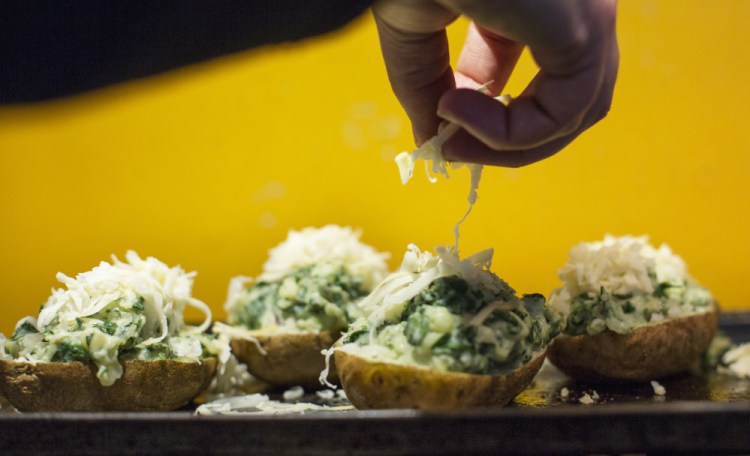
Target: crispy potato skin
[144, 386]
[648, 353]
[291, 359]
[378, 385]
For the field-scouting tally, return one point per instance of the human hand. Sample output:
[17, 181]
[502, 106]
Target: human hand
[572, 41]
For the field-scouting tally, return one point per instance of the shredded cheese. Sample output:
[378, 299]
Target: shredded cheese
[418, 269]
[737, 361]
[658, 388]
[238, 332]
[328, 243]
[261, 404]
[431, 151]
[620, 265]
[135, 303]
[293, 393]
[166, 292]
[586, 399]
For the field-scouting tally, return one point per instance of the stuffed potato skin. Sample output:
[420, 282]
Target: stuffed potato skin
[647, 353]
[380, 385]
[290, 358]
[156, 385]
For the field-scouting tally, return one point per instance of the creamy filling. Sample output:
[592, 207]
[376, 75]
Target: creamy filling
[623, 283]
[453, 315]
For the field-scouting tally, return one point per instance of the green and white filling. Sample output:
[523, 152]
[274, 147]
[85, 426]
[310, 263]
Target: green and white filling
[622, 283]
[444, 313]
[115, 312]
[312, 282]
[313, 298]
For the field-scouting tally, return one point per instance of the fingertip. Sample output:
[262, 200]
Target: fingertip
[464, 148]
[453, 104]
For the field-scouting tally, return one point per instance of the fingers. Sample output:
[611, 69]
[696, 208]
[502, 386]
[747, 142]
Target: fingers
[415, 50]
[552, 108]
[486, 57]
[572, 41]
[463, 147]
[560, 103]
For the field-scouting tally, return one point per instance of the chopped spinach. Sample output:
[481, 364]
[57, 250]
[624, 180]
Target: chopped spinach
[322, 292]
[139, 304]
[451, 292]
[417, 326]
[354, 336]
[108, 327]
[70, 351]
[23, 329]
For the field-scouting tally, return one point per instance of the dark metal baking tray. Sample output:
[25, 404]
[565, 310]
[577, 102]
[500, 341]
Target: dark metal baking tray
[701, 414]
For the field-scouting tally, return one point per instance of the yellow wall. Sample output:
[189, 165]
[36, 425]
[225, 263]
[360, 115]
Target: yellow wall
[209, 166]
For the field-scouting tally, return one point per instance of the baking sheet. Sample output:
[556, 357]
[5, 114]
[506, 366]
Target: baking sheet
[699, 414]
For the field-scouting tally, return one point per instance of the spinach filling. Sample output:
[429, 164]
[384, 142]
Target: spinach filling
[591, 313]
[69, 351]
[317, 297]
[24, 329]
[437, 326]
[116, 331]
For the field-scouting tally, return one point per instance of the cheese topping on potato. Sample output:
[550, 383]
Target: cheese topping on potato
[311, 282]
[442, 312]
[122, 310]
[622, 283]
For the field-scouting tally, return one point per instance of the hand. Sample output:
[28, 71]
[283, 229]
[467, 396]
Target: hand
[572, 41]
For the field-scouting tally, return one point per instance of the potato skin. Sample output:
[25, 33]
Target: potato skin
[144, 386]
[291, 358]
[647, 353]
[378, 385]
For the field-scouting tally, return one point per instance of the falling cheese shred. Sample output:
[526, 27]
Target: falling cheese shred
[431, 151]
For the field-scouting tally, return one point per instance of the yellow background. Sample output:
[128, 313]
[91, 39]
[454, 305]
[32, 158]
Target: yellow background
[209, 166]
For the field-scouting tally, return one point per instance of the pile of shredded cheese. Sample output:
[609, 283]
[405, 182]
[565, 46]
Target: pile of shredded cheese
[418, 270]
[328, 243]
[166, 292]
[620, 265]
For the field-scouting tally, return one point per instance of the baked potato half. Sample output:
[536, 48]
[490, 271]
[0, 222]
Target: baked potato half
[371, 384]
[649, 352]
[444, 333]
[158, 385]
[631, 311]
[113, 339]
[306, 296]
[289, 358]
